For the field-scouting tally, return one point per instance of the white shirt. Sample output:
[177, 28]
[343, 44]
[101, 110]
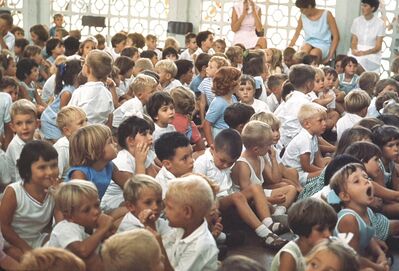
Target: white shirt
[65, 233]
[5, 106]
[48, 89]
[131, 222]
[9, 40]
[206, 166]
[113, 196]
[346, 122]
[288, 115]
[132, 107]
[161, 130]
[13, 152]
[200, 51]
[272, 102]
[173, 84]
[260, 106]
[186, 55]
[302, 143]
[312, 96]
[95, 99]
[5, 177]
[196, 252]
[163, 177]
[62, 147]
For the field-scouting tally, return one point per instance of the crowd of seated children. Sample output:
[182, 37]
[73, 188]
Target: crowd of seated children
[119, 134]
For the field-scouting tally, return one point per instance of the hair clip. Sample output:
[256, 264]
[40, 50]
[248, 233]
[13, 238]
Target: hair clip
[245, 53]
[332, 198]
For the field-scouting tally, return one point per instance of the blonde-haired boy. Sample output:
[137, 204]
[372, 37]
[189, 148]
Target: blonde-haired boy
[142, 64]
[143, 199]
[50, 258]
[24, 122]
[142, 88]
[132, 250]
[250, 168]
[303, 153]
[69, 119]
[167, 71]
[356, 103]
[190, 246]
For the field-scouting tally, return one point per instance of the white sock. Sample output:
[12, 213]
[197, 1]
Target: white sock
[280, 210]
[262, 231]
[267, 221]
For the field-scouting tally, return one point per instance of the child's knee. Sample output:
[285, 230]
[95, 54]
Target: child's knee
[238, 198]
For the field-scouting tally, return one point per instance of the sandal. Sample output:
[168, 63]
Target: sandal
[274, 241]
[278, 228]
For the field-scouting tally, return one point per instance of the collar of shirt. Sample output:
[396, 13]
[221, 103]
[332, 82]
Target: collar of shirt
[195, 234]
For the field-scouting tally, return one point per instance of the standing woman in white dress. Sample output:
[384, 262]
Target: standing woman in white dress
[368, 32]
[244, 21]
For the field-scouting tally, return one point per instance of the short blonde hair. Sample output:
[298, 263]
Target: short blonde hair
[69, 113]
[23, 107]
[192, 190]
[309, 111]
[319, 72]
[87, 144]
[168, 66]
[184, 100]
[140, 83]
[171, 42]
[356, 100]
[144, 64]
[256, 133]
[51, 258]
[268, 118]
[131, 250]
[134, 185]
[220, 61]
[69, 195]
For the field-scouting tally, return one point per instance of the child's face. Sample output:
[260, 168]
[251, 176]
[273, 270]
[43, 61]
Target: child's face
[211, 69]
[221, 159]
[58, 34]
[110, 150]
[17, 50]
[192, 44]
[288, 60]
[164, 76]
[172, 57]
[372, 167]
[246, 93]
[174, 212]
[318, 234]
[11, 69]
[154, 60]
[38, 58]
[166, 114]
[329, 81]
[388, 88]
[391, 150]
[208, 43]
[13, 91]
[87, 213]
[129, 42]
[59, 50]
[317, 124]
[318, 83]
[34, 74]
[146, 94]
[182, 162]
[89, 45]
[135, 57]
[34, 37]
[145, 138]
[44, 173]
[19, 34]
[219, 48]
[148, 199]
[58, 21]
[24, 125]
[359, 189]
[151, 44]
[338, 67]
[350, 69]
[324, 260]
[276, 136]
[119, 47]
[74, 124]
[269, 55]
[187, 77]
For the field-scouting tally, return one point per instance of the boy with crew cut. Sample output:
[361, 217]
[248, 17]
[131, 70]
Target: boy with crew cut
[191, 45]
[275, 85]
[167, 71]
[302, 78]
[303, 151]
[205, 43]
[200, 63]
[216, 164]
[176, 155]
[24, 123]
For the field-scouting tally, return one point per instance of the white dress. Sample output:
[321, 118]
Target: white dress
[367, 32]
[246, 34]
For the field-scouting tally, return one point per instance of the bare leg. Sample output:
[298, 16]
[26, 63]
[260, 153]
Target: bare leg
[256, 193]
[262, 43]
[317, 52]
[290, 193]
[391, 209]
[306, 48]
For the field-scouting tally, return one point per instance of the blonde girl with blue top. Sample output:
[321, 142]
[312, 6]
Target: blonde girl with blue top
[353, 191]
